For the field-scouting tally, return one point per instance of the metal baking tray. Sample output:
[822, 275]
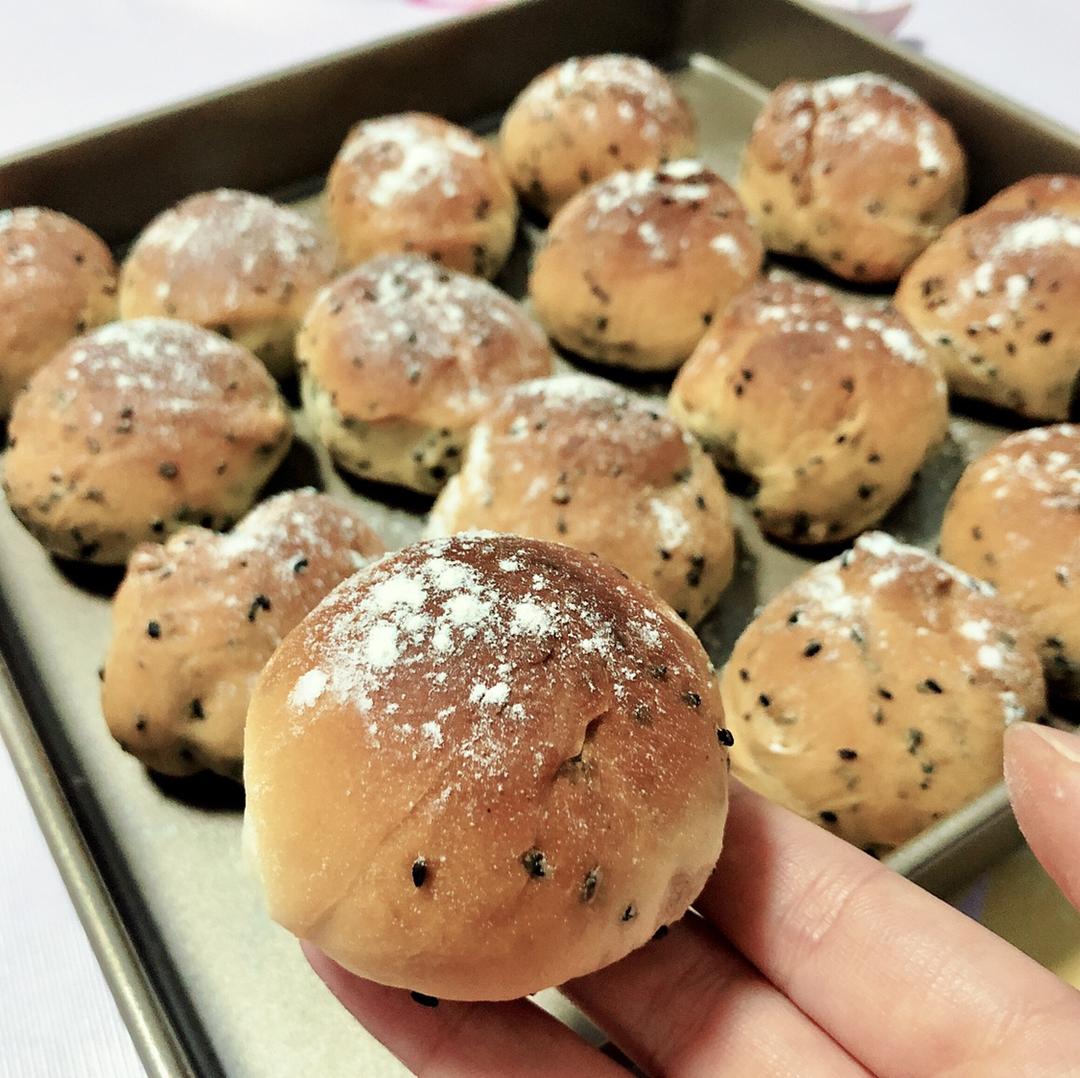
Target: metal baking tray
[205, 982]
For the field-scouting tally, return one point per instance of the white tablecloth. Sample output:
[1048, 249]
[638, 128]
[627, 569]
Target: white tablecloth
[76, 64]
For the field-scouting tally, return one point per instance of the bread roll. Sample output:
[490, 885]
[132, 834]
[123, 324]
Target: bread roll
[196, 619]
[57, 280]
[998, 298]
[634, 268]
[400, 356]
[577, 460]
[484, 766]
[830, 408]
[137, 429]
[234, 262]
[872, 695]
[588, 117]
[418, 183]
[856, 172]
[1014, 520]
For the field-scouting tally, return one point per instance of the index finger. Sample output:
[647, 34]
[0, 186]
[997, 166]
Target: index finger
[906, 983]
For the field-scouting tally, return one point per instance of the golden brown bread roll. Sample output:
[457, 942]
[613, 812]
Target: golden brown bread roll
[416, 182]
[872, 695]
[1014, 520]
[830, 408]
[398, 359]
[234, 262]
[588, 117]
[196, 619]
[577, 460]
[856, 172]
[634, 268]
[483, 766]
[997, 297]
[57, 280]
[137, 429]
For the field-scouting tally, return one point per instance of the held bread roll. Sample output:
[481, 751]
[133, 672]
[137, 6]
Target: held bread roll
[830, 409]
[57, 280]
[577, 460]
[400, 356]
[234, 262]
[588, 117]
[998, 298]
[1014, 520]
[872, 695]
[196, 619]
[855, 172]
[418, 183]
[484, 766]
[634, 268]
[137, 429]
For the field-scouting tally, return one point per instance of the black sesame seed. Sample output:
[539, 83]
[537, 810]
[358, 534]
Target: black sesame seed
[847, 384]
[1045, 337]
[589, 884]
[847, 754]
[300, 565]
[827, 816]
[691, 698]
[812, 648]
[765, 701]
[629, 913]
[424, 1001]
[168, 470]
[976, 533]
[699, 501]
[601, 324]
[197, 711]
[744, 675]
[419, 872]
[707, 318]
[535, 863]
[725, 737]
[101, 673]
[153, 630]
[914, 740]
[930, 686]
[260, 602]
[793, 618]
[884, 694]
[140, 724]
[865, 491]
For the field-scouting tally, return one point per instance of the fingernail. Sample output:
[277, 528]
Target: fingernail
[1062, 742]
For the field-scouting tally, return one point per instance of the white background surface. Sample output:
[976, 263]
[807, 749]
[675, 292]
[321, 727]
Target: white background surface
[73, 64]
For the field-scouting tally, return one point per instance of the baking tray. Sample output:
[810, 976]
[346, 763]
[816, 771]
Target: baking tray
[205, 982]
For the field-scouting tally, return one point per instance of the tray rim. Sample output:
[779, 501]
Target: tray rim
[144, 1016]
[149, 1022]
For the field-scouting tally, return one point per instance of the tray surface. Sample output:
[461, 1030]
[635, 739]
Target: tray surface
[235, 987]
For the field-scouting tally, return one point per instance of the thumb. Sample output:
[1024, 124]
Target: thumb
[1042, 772]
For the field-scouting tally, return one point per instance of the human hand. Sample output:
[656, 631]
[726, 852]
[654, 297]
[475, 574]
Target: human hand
[808, 958]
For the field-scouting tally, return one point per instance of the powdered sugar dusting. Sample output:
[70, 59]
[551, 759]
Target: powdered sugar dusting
[1044, 461]
[1034, 232]
[251, 236]
[634, 203]
[447, 613]
[410, 154]
[402, 310]
[641, 91]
